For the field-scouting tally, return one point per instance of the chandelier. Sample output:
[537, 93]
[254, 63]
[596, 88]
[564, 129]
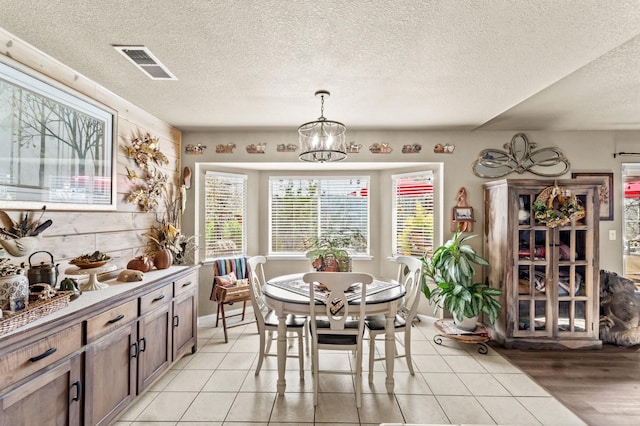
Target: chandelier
[322, 140]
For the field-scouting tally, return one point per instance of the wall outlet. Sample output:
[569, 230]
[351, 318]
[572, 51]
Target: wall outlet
[612, 234]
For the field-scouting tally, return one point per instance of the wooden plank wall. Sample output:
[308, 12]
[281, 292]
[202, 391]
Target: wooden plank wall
[118, 233]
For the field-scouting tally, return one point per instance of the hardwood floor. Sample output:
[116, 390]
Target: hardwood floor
[600, 386]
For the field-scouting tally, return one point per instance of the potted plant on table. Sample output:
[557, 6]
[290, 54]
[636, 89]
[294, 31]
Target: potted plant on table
[451, 267]
[331, 253]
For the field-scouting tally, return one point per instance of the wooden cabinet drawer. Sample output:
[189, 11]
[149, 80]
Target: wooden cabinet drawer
[185, 284]
[30, 358]
[110, 320]
[156, 298]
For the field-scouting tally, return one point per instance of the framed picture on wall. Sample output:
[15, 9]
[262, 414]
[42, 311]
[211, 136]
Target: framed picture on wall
[461, 214]
[59, 145]
[606, 189]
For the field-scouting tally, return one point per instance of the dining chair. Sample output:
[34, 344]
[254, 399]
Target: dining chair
[337, 328]
[410, 275]
[267, 320]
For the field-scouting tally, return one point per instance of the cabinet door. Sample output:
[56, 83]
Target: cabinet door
[51, 398]
[532, 314]
[154, 339]
[110, 374]
[184, 324]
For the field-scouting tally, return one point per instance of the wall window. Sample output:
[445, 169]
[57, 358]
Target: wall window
[631, 229]
[306, 209]
[225, 214]
[413, 213]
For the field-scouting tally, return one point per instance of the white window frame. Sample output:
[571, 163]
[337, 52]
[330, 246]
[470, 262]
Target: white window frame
[242, 251]
[295, 254]
[396, 221]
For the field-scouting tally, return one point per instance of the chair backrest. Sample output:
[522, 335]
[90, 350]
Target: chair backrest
[410, 275]
[256, 280]
[337, 308]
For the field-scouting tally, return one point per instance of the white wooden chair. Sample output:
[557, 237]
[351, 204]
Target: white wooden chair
[336, 329]
[267, 320]
[410, 275]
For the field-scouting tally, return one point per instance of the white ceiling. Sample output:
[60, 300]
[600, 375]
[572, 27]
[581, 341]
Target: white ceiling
[449, 64]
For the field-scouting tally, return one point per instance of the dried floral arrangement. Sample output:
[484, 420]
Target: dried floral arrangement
[166, 234]
[145, 152]
[25, 226]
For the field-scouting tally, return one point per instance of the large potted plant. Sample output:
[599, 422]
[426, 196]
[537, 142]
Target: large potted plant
[451, 268]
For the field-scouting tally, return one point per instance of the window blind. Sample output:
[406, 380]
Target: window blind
[304, 210]
[225, 214]
[413, 213]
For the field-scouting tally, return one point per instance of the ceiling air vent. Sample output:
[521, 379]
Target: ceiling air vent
[142, 58]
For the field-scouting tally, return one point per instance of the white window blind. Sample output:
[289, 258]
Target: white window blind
[225, 214]
[413, 213]
[304, 210]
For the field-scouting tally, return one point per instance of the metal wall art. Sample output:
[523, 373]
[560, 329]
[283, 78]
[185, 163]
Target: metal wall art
[353, 148]
[519, 156]
[287, 148]
[444, 149]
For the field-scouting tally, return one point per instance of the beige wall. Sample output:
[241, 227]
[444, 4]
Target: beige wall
[586, 151]
[118, 232]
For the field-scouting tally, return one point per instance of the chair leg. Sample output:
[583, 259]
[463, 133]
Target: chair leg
[316, 376]
[372, 354]
[224, 323]
[218, 313]
[407, 350]
[267, 349]
[300, 354]
[262, 352]
[244, 309]
[359, 377]
[306, 335]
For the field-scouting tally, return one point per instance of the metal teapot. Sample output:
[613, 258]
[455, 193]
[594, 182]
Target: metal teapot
[44, 272]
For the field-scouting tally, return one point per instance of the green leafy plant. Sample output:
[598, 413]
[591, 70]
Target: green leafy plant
[337, 244]
[452, 270]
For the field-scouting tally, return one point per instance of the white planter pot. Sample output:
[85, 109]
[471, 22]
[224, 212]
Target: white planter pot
[466, 324]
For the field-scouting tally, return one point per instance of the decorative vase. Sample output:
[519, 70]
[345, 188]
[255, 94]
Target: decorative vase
[163, 259]
[466, 324]
[20, 247]
[13, 285]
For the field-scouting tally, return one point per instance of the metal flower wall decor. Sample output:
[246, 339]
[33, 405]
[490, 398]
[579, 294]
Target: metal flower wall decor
[148, 186]
[520, 156]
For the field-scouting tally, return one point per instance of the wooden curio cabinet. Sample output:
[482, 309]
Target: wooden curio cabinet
[548, 275]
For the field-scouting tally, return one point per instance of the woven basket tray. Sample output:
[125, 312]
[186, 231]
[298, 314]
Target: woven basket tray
[35, 310]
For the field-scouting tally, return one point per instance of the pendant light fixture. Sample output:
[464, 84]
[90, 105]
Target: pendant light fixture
[322, 140]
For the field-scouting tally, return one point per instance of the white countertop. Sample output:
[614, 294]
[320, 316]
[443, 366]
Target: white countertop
[89, 298]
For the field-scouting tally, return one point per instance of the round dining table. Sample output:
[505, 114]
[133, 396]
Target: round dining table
[288, 294]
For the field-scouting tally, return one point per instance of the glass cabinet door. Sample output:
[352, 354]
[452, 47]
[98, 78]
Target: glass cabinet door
[552, 267]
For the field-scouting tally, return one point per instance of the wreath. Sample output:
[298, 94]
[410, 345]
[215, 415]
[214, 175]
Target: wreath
[555, 206]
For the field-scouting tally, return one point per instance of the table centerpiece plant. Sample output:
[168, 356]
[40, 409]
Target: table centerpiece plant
[451, 268]
[331, 252]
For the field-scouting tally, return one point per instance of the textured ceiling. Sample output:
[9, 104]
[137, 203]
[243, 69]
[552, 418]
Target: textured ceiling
[518, 65]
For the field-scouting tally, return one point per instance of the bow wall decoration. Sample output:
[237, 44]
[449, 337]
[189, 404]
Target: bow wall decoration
[520, 156]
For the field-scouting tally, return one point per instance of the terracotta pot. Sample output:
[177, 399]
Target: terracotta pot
[162, 259]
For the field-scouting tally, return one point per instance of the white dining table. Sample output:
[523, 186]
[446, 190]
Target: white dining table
[286, 295]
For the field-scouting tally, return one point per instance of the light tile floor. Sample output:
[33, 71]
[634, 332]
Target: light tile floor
[453, 384]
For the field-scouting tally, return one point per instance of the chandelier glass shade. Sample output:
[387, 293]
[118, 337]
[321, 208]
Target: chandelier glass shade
[322, 140]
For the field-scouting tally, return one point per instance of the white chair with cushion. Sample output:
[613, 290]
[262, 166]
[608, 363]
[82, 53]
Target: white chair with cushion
[267, 320]
[336, 328]
[410, 275]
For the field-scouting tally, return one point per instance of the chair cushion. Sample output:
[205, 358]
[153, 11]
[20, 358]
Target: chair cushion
[378, 322]
[337, 339]
[271, 319]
